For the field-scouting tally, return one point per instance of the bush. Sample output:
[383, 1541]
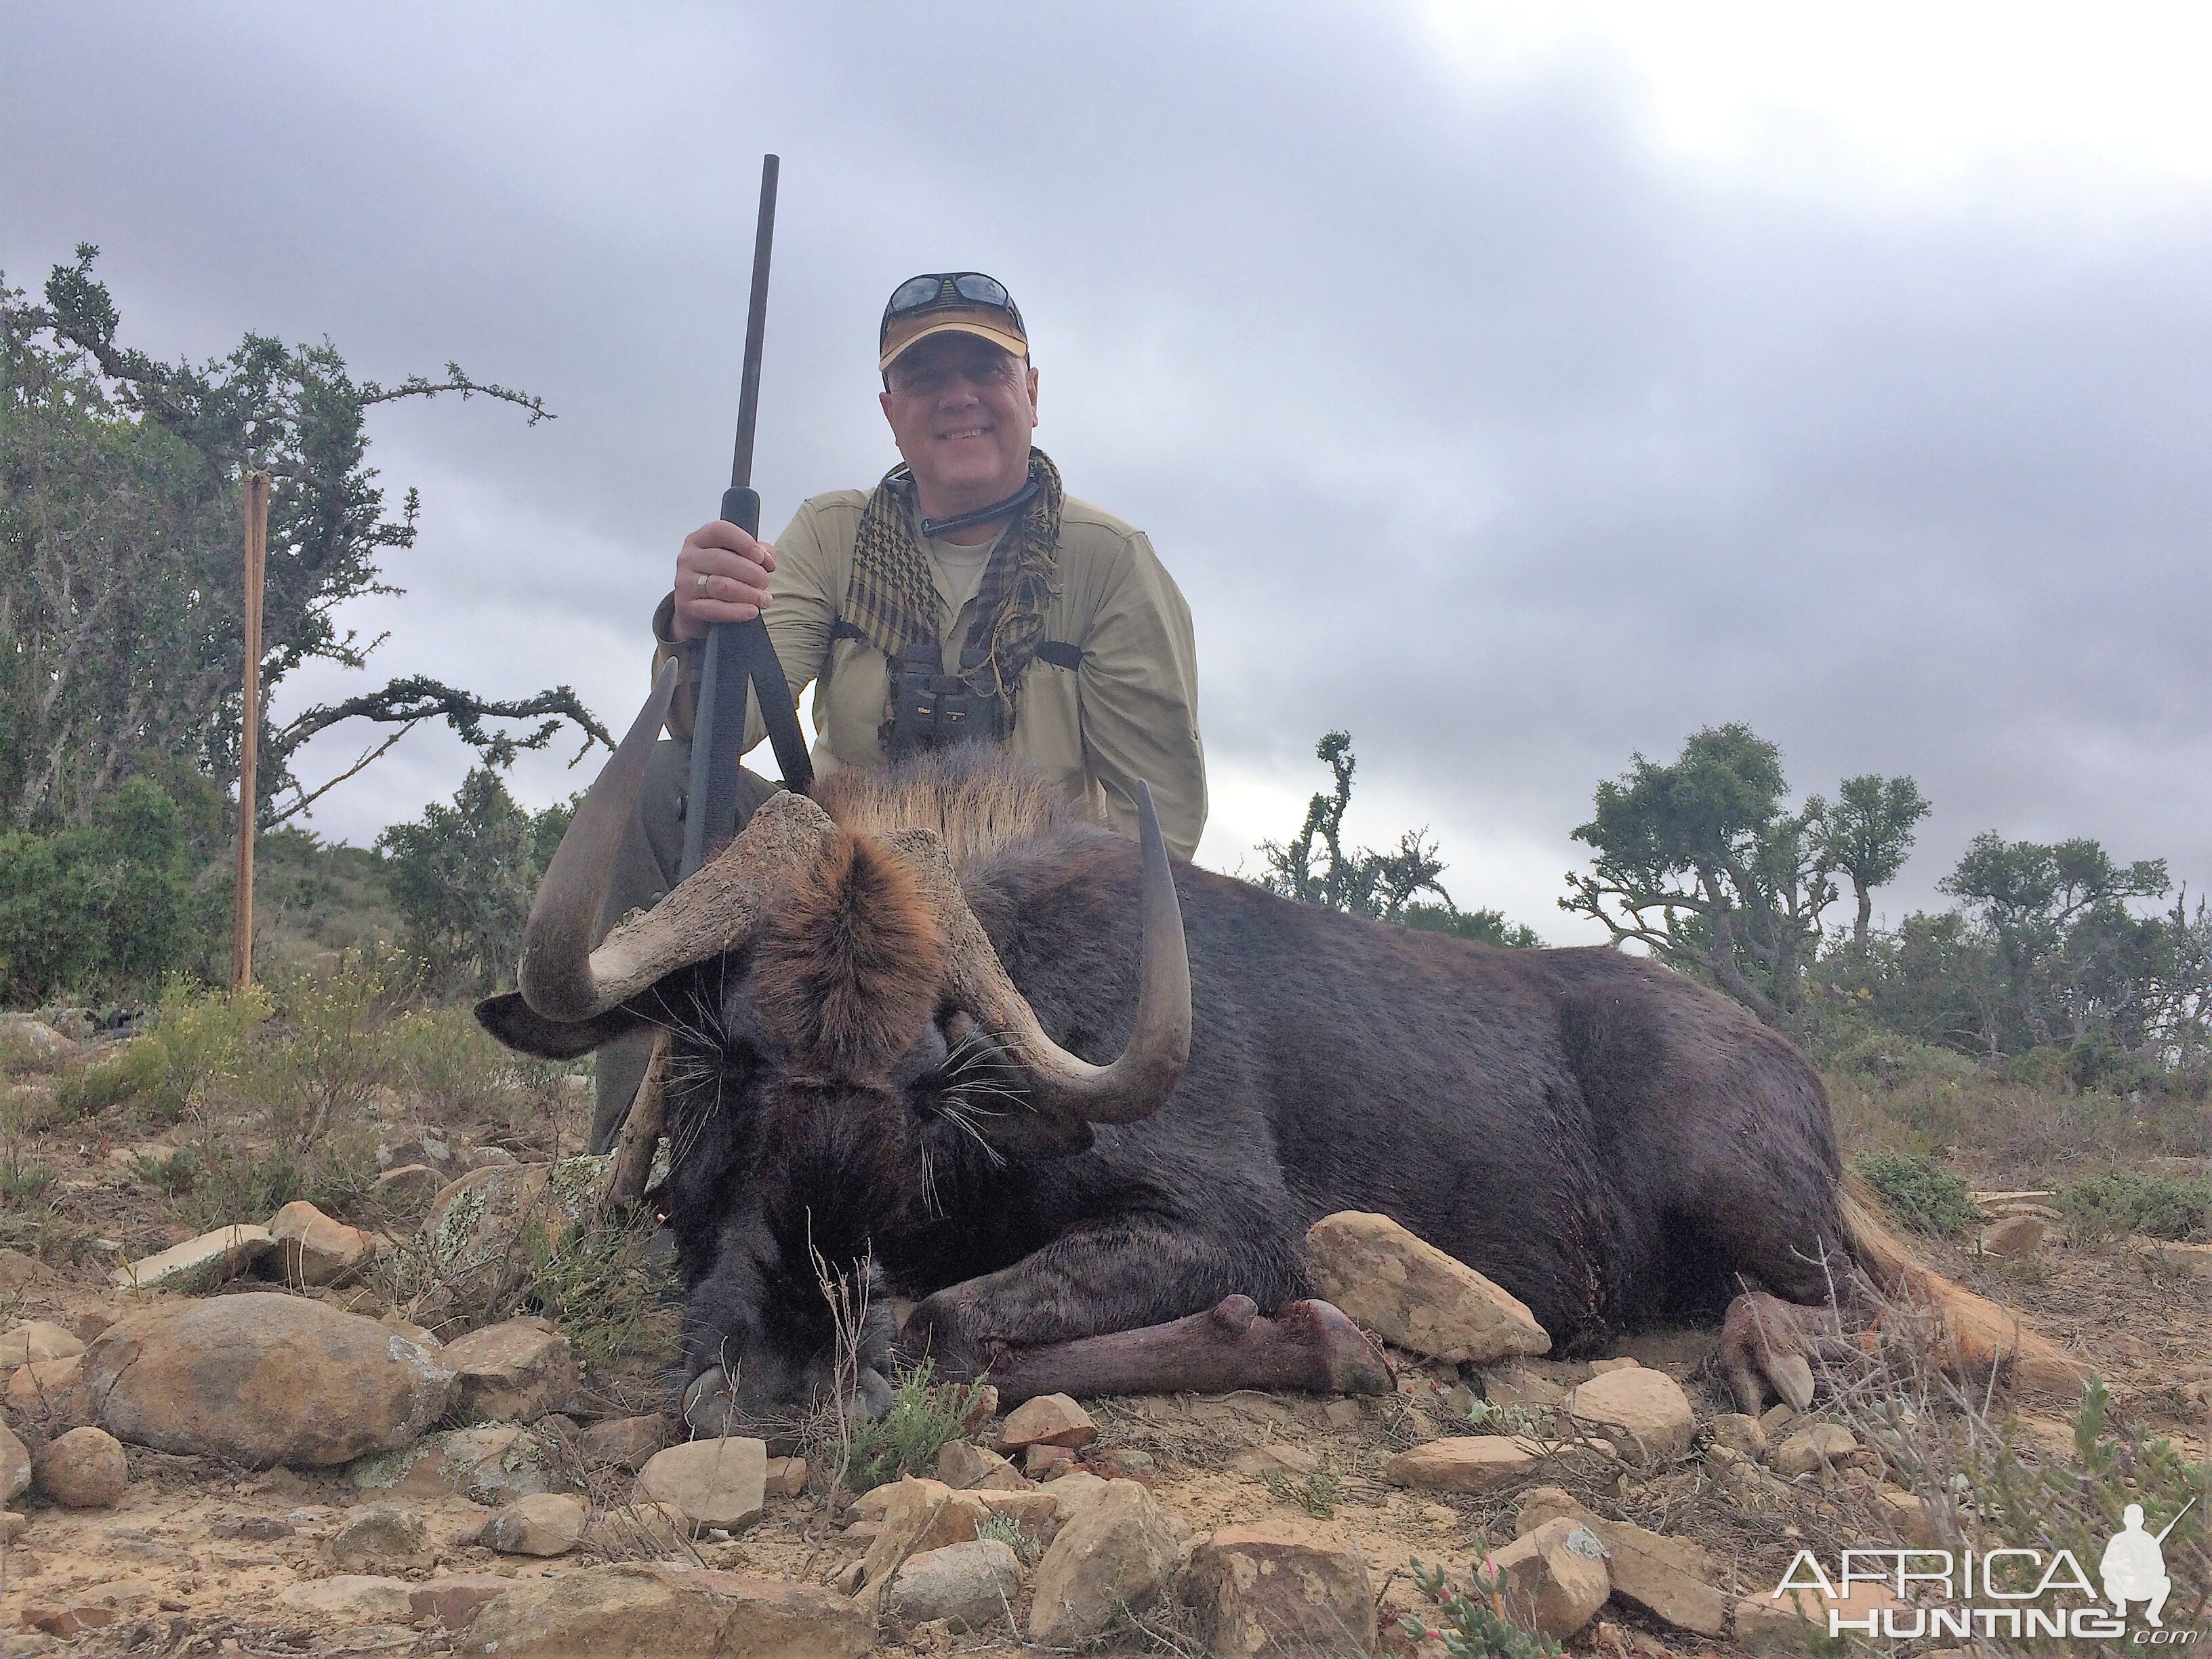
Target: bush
[926, 1415]
[329, 1046]
[2114, 1204]
[105, 906]
[1918, 1192]
[197, 1039]
[463, 879]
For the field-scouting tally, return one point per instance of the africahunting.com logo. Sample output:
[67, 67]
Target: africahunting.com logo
[2020, 1593]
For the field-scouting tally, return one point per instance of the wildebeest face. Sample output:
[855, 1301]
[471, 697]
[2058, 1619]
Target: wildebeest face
[836, 1034]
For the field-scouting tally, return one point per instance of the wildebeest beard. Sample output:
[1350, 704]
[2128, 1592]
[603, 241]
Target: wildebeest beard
[940, 1030]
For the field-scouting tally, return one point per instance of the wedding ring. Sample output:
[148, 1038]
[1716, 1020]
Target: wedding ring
[702, 584]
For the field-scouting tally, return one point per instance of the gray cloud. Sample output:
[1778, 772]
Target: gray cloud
[1467, 417]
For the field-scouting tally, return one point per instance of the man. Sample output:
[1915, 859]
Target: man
[966, 598]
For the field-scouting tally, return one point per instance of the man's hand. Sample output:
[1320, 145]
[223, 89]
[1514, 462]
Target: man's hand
[734, 567]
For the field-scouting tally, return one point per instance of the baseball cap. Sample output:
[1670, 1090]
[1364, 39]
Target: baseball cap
[955, 301]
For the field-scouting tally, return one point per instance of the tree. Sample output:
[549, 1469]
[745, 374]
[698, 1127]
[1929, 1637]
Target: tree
[2073, 961]
[1698, 862]
[120, 523]
[463, 879]
[1866, 834]
[1316, 869]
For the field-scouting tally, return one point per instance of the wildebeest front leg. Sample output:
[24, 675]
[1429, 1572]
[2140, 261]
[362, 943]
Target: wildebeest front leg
[1085, 1315]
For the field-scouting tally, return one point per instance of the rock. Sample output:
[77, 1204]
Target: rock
[364, 1597]
[1775, 1419]
[1741, 1434]
[1257, 1461]
[2014, 1237]
[477, 1239]
[1116, 1556]
[198, 1264]
[1281, 1588]
[1074, 1492]
[920, 1515]
[1516, 1385]
[1823, 1443]
[17, 1270]
[1489, 1462]
[52, 1392]
[262, 1378]
[31, 1038]
[1644, 1413]
[1051, 1419]
[456, 1599]
[785, 1477]
[638, 1529]
[871, 1504]
[1908, 1513]
[493, 1464]
[969, 1586]
[515, 1371]
[545, 1523]
[2165, 1254]
[982, 1407]
[1779, 1620]
[15, 1466]
[13, 1525]
[642, 1610]
[37, 1339]
[1671, 1579]
[313, 1249]
[381, 1538]
[623, 1443]
[709, 1483]
[963, 1464]
[410, 1183]
[1043, 1460]
[1409, 1292]
[1618, 1363]
[1554, 1578]
[1342, 1414]
[83, 1469]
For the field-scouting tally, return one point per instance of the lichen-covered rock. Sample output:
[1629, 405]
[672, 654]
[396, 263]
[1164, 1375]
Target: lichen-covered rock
[1674, 1579]
[493, 1463]
[1409, 1292]
[381, 1538]
[264, 1378]
[1115, 1557]
[648, 1611]
[1553, 1578]
[477, 1240]
[1282, 1588]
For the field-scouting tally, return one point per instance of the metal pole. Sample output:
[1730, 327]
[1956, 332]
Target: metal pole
[256, 560]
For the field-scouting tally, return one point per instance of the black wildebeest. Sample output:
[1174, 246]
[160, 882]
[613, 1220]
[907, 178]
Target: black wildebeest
[908, 1024]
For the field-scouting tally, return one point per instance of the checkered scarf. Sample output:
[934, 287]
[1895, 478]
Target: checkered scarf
[893, 600]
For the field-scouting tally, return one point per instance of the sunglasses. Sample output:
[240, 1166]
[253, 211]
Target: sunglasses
[943, 290]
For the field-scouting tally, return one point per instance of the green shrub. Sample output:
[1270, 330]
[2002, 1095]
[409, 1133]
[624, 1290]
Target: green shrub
[926, 1415]
[1471, 1626]
[105, 906]
[608, 1290]
[1896, 1062]
[463, 879]
[1919, 1192]
[2114, 1204]
[328, 1047]
[444, 1055]
[128, 1073]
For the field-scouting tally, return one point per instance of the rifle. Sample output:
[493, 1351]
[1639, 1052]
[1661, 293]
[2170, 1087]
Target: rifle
[738, 654]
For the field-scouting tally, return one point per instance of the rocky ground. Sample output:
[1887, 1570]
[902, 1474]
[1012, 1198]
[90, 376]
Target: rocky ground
[428, 1433]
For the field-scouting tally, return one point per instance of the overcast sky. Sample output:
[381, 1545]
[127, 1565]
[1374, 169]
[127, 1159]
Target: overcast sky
[1519, 387]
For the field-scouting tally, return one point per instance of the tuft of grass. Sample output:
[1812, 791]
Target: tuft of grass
[609, 1292]
[223, 1182]
[22, 1181]
[443, 1054]
[1007, 1531]
[1919, 1192]
[130, 1072]
[172, 1173]
[1316, 1493]
[926, 1415]
[2118, 1203]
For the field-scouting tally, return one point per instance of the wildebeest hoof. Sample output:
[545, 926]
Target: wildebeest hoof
[1235, 1314]
[1768, 1345]
[1345, 1360]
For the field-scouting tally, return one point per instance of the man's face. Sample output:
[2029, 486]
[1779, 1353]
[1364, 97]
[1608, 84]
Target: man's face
[962, 410]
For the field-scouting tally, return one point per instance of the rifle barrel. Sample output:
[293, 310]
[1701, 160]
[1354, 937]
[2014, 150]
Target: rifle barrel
[741, 462]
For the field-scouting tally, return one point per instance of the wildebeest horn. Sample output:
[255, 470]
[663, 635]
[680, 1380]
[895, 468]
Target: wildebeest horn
[561, 976]
[1137, 1083]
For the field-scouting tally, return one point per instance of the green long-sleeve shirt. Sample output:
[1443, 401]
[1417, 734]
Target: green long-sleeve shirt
[1129, 712]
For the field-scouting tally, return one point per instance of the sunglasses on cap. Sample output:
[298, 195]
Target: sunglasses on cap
[939, 290]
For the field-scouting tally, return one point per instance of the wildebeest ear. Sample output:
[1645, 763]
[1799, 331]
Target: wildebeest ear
[509, 1018]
